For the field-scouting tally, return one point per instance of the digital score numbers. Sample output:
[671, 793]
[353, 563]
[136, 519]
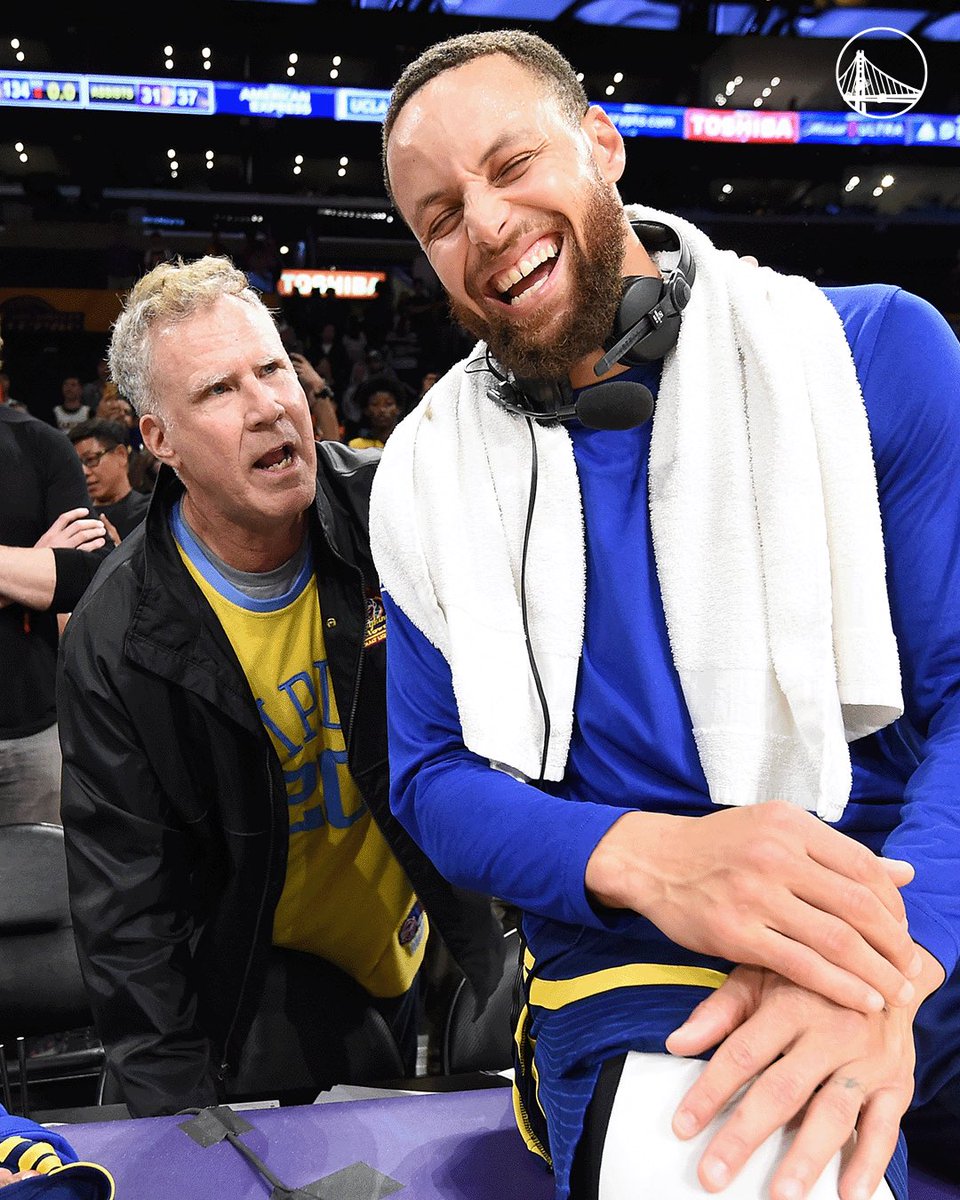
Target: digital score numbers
[117, 92]
[42, 91]
[144, 95]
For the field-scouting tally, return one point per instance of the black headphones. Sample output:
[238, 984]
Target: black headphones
[646, 327]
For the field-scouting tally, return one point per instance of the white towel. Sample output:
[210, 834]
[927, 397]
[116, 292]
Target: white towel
[447, 515]
[766, 531]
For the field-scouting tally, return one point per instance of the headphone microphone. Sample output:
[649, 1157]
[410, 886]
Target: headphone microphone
[647, 326]
[613, 405]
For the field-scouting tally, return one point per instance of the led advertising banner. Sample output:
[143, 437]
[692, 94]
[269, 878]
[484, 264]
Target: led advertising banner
[204, 97]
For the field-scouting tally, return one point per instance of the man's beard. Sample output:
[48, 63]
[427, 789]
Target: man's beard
[597, 287]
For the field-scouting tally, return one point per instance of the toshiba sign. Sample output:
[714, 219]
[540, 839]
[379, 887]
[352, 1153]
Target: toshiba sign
[352, 285]
[711, 125]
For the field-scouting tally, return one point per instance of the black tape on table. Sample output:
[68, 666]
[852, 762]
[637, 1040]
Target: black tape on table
[212, 1125]
[356, 1182]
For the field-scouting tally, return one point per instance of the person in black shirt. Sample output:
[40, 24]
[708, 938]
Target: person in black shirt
[104, 453]
[50, 548]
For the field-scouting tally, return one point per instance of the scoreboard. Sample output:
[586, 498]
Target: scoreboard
[126, 93]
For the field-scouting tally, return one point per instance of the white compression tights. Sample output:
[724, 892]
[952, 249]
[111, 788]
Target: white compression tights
[642, 1157]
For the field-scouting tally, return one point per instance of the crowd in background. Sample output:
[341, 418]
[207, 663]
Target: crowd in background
[363, 365]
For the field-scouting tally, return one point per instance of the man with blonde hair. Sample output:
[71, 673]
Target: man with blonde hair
[233, 864]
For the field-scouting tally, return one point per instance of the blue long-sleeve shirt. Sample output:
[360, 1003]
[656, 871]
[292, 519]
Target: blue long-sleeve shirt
[633, 746]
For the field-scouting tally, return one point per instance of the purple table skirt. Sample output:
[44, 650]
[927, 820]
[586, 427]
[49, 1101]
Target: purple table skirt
[453, 1144]
[437, 1145]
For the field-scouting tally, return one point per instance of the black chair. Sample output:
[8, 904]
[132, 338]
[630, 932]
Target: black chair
[484, 1043]
[41, 988]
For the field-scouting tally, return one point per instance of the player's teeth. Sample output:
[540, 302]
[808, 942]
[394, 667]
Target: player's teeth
[534, 287]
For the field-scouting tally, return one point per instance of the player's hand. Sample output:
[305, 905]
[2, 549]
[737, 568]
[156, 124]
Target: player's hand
[9, 1176]
[770, 885]
[74, 529]
[797, 1053]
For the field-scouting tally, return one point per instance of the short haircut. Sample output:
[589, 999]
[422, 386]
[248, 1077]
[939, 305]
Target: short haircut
[165, 295]
[383, 383]
[109, 434]
[538, 56]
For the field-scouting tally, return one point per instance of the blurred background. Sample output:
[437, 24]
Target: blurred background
[252, 128]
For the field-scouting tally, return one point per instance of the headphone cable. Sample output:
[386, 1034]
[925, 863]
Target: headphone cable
[523, 598]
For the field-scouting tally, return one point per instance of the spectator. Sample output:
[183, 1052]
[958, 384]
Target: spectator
[234, 648]
[383, 404]
[113, 407]
[427, 380]
[402, 350]
[330, 346]
[104, 453]
[71, 410]
[45, 527]
[93, 390]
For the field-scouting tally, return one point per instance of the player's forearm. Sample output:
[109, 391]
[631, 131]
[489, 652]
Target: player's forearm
[28, 576]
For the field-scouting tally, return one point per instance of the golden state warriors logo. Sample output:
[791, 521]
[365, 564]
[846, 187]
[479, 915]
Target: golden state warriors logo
[881, 72]
[375, 630]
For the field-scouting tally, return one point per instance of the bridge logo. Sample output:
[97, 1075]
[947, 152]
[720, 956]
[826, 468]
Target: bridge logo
[882, 76]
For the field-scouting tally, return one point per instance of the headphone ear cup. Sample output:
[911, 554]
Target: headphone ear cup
[641, 293]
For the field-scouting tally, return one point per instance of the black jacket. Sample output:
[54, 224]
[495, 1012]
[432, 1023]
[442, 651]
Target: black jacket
[174, 806]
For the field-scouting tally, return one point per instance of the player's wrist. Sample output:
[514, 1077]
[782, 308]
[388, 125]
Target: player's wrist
[620, 872]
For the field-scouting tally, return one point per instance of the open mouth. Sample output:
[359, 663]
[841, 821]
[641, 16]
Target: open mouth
[277, 459]
[519, 282]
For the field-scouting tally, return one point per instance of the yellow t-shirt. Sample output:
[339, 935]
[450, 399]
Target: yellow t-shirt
[345, 896]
